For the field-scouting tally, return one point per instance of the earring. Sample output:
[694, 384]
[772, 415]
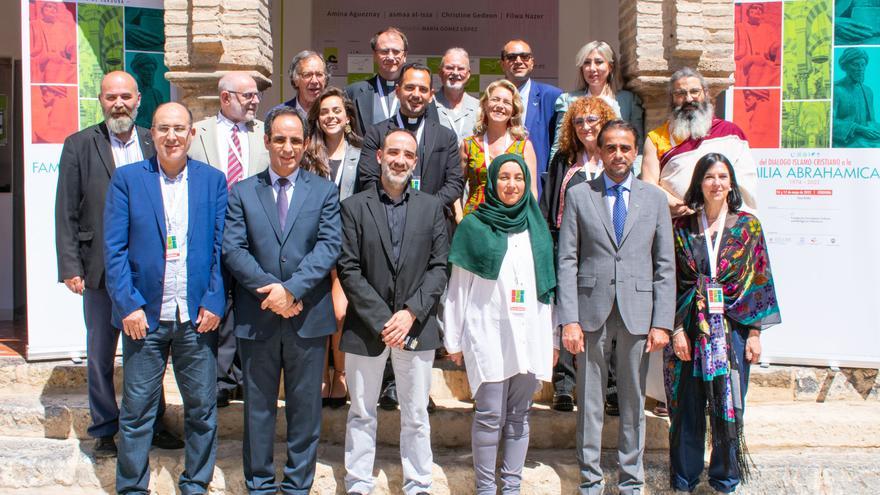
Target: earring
[347, 128]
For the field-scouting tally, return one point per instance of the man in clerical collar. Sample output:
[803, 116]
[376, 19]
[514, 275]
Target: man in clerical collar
[539, 100]
[308, 77]
[457, 109]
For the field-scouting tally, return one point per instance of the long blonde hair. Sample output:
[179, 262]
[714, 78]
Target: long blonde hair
[515, 124]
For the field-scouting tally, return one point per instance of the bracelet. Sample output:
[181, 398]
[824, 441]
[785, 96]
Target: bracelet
[677, 331]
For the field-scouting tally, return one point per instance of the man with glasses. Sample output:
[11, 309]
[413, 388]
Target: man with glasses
[163, 222]
[282, 239]
[457, 109]
[375, 98]
[308, 77]
[539, 101]
[88, 160]
[232, 142]
[691, 131]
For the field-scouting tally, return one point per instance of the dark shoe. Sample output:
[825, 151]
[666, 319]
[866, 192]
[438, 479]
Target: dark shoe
[166, 440]
[105, 447]
[563, 402]
[660, 410]
[336, 402]
[431, 406]
[612, 409]
[388, 398]
[223, 398]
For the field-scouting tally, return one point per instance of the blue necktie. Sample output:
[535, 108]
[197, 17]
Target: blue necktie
[281, 202]
[619, 212]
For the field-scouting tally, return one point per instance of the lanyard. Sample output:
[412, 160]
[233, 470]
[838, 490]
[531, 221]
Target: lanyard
[486, 159]
[599, 167]
[338, 178]
[384, 103]
[419, 131]
[712, 247]
[172, 216]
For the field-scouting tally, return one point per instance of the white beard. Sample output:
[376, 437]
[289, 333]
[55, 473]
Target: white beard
[121, 125]
[685, 124]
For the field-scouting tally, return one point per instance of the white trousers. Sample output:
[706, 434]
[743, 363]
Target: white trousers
[363, 374]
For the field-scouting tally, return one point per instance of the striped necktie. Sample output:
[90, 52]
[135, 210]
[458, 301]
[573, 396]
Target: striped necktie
[234, 170]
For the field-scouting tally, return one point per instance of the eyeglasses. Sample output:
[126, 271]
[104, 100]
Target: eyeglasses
[589, 120]
[248, 96]
[511, 57]
[390, 51]
[312, 75]
[694, 92]
[178, 130]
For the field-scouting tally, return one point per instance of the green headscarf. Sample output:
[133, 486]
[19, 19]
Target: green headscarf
[480, 241]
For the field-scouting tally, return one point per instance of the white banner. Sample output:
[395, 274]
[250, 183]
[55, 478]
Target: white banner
[66, 49]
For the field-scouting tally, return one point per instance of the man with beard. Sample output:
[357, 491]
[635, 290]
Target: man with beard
[457, 109]
[231, 142]
[308, 76]
[692, 130]
[88, 160]
[393, 268]
[437, 170]
[375, 97]
[855, 125]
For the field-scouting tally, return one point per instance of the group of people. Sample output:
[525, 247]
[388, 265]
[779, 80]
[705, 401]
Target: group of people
[353, 234]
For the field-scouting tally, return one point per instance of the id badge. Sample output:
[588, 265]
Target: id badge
[518, 301]
[715, 295]
[172, 251]
[416, 182]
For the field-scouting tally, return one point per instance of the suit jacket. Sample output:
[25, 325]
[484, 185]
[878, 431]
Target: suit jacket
[375, 286]
[258, 252]
[362, 93]
[348, 184]
[439, 165]
[204, 147]
[134, 243]
[541, 122]
[594, 271]
[83, 177]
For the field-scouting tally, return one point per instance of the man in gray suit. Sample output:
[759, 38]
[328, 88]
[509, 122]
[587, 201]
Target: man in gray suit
[232, 142]
[616, 281]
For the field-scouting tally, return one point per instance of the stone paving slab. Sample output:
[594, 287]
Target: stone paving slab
[31, 466]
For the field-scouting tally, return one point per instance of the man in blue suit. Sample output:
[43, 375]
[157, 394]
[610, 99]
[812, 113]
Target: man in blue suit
[163, 228]
[539, 101]
[283, 237]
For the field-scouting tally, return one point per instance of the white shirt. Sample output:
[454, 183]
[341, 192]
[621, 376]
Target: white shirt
[609, 195]
[524, 91]
[275, 187]
[127, 152]
[224, 141]
[498, 343]
[175, 201]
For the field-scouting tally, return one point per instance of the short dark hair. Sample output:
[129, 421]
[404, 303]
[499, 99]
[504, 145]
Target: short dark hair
[395, 130]
[414, 66]
[278, 112]
[390, 30]
[694, 195]
[617, 124]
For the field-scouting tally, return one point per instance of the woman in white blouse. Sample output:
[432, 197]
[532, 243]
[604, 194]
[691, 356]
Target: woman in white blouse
[497, 317]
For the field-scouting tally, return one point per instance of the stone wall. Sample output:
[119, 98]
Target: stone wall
[658, 37]
[204, 39]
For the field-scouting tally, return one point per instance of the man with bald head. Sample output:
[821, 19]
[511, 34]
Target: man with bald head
[88, 160]
[232, 142]
[163, 222]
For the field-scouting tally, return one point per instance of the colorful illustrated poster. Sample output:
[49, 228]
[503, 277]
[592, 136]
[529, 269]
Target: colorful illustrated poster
[342, 30]
[809, 111]
[68, 47]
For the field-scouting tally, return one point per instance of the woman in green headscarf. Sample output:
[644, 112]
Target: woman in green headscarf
[498, 319]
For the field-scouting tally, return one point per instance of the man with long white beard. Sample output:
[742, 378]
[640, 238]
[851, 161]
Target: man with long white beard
[88, 160]
[691, 131]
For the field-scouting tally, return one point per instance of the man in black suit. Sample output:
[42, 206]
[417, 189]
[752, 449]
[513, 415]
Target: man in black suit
[375, 97]
[393, 270]
[88, 160]
[437, 170]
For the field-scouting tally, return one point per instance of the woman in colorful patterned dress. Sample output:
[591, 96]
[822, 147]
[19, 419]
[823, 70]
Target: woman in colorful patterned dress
[500, 130]
[726, 297]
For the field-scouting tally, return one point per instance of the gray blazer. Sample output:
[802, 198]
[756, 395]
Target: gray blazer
[204, 146]
[463, 123]
[594, 271]
[349, 172]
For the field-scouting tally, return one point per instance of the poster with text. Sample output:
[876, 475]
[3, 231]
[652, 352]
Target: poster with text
[67, 48]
